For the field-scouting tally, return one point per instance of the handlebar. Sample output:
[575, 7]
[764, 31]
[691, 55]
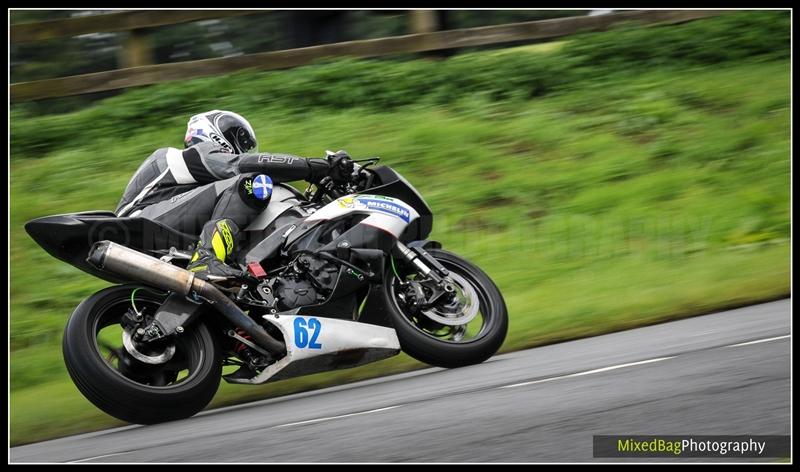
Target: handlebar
[359, 180]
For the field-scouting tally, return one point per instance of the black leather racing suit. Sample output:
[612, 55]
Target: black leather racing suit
[187, 189]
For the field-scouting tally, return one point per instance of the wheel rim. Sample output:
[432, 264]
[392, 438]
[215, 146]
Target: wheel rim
[476, 322]
[182, 356]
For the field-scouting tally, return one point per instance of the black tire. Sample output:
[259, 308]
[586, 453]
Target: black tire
[122, 397]
[440, 353]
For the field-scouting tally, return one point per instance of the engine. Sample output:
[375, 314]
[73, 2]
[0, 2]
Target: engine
[306, 281]
[292, 293]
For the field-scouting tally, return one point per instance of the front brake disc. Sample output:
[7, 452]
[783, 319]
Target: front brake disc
[465, 305]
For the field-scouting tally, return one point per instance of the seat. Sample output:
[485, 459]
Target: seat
[69, 237]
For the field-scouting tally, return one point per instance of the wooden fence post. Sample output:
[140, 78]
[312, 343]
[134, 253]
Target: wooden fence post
[136, 49]
[422, 21]
[427, 21]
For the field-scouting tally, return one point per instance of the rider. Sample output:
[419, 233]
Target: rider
[217, 185]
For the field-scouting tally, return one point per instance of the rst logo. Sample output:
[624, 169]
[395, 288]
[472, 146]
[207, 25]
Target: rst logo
[277, 159]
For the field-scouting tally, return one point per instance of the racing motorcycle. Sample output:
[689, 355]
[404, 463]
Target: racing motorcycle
[335, 277]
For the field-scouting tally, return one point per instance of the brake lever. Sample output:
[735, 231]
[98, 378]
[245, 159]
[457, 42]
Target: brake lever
[360, 180]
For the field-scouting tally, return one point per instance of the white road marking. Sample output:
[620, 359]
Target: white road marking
[594, 371]
[98, 457]
[757, 341]
[336, 417]
[703, 333]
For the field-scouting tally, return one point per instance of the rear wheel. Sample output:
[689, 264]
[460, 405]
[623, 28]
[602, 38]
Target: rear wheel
[466, 327]
[138, 383]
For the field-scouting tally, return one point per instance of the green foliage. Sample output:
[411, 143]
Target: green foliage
[390, 84]
[731, 37]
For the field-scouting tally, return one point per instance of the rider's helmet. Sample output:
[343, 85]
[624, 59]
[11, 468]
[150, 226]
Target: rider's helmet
[229, 130]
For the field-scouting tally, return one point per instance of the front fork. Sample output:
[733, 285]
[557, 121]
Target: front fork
[435, 274]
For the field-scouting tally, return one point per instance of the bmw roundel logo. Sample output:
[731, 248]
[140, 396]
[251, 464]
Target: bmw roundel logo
[262, 187]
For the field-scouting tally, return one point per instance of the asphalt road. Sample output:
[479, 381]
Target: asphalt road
[725, 373]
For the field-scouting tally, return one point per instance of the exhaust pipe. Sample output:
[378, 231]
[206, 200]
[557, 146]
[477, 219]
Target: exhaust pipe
[133, 265]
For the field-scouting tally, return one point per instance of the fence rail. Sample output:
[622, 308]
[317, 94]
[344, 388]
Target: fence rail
[413, 43]
[114, 22]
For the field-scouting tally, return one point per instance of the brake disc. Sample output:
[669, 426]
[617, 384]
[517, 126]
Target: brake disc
[169, 351]
[460, 311]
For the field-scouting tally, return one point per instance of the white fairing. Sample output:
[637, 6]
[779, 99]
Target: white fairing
[317, 344]
[389, 214]
[281, 200]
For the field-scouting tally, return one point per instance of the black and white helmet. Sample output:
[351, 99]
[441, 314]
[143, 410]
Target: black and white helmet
[227, 129]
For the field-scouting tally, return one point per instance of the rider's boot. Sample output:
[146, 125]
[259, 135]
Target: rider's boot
[217, 243]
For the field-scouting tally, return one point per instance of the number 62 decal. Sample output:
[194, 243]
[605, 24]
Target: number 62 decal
[301, 334]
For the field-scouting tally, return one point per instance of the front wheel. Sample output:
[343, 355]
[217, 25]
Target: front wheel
[143, 384]
[464, 328]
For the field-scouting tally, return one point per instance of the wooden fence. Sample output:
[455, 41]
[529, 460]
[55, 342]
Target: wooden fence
[139, 72]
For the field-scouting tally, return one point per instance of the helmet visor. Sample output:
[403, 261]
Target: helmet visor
[246, 141]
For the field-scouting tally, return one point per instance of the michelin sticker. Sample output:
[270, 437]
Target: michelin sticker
[385, 206]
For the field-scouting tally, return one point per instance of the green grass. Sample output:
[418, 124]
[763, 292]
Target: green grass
[619, 201]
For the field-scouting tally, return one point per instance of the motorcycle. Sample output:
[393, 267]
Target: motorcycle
[335, 277]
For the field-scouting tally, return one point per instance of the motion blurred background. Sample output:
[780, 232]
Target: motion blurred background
[604, 179]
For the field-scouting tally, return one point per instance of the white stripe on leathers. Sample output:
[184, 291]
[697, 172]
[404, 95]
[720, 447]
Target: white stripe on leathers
[143, 193]
[178, 167]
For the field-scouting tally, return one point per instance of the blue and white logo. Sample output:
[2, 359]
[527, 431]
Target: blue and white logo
[262, 187]
[387, 207]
